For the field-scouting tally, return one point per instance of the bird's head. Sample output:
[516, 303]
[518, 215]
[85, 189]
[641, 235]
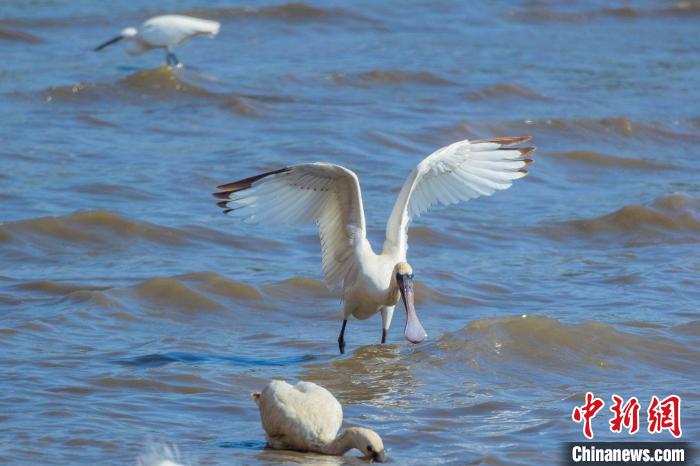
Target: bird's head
[129, 32]
[132, 42]
[368, 442]
[129, 35]
[402, 276]
[403, 268]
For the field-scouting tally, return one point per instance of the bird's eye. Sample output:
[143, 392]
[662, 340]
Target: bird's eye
[410, 276]
[369, 448]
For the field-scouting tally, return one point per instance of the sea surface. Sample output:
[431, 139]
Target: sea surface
[135, 317]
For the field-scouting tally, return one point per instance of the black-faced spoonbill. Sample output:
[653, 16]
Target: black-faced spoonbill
[163, 32]
[307, 417]
[329, 195]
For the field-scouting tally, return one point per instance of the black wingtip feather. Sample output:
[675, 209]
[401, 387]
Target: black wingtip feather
[222, 194]
[504, 140]
[240, 185]
[248, 182]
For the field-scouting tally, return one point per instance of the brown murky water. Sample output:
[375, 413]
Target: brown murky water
[136, 316]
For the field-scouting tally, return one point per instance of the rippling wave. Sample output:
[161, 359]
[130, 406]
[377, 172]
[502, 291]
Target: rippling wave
[544, 342]
[192, 293]
[211, 282]
[673, 218]
[606, 160]
[374, 373]
[388, 77]
[300, 286]
[158, 316]
[19, 36]
[384, 374]
[619, 126]
[683, 8]
[164, 83]
[506, 90]
[577, 129]
[56, 288]
[97, 122]
[109, 189]
[163, 80]
[171, 293]
[97, 226]
[289, 12]
[157, 360]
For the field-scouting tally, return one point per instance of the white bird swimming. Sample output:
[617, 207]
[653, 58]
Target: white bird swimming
[307, 417]
[163, 32]
[329, 196]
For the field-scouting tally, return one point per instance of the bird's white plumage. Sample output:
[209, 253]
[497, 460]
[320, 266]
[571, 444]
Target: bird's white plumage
[455, 173]
[307, 417]
[171, 30]
[329, 195]
[163, 32]
[321, 193]
[304, 416]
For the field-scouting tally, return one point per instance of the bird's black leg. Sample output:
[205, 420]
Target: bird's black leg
[383, 335]
[341, 337]
[171, 59]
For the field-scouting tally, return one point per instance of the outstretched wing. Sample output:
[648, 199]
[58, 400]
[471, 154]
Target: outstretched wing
[321, 193]
[455, 173]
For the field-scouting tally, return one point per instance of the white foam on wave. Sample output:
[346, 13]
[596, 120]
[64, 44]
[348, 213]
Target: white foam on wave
[161, 454]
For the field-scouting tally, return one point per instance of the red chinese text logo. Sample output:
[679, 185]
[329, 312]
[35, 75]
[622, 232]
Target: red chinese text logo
[661, 415]
[625, 416]
[665, 415]
[587, 412]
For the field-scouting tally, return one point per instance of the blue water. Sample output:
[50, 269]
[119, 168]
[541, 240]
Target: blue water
[133, 312]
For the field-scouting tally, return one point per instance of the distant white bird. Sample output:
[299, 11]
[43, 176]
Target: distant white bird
[307, 417]
[163, 32]
[329, 195]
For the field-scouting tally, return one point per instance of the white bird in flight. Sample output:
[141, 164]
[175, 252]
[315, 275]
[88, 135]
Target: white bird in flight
[163, 32]
[329, 196]
[307, 417]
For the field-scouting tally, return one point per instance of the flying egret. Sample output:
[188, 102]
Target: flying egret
[307, 417]
[329, 196]
[163, 32]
